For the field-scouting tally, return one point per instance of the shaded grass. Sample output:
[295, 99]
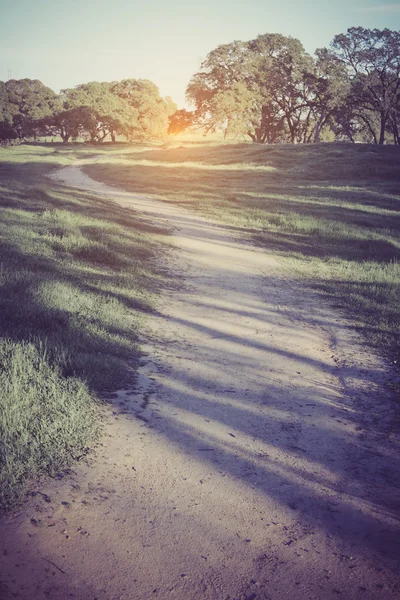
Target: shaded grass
[330, 211]
[46, 419]
[77, 276]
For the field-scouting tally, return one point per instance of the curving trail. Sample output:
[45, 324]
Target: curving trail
[255, 460]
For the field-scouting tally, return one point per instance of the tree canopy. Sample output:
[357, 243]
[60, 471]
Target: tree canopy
[271, 90]
[372, 61]
[131, 108]
[23, 104]
[257, 88]
[268, 89]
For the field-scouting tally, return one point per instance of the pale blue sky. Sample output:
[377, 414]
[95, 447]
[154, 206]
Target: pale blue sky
[66, 42]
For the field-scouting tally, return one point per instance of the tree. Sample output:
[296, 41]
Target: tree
[130, 107]
[7, 133]
[5, 116]
[394, 121]
[27, 102]
[229, 110]
[283, 65]
[180, 121]
[329, 88]
[216, 90]
[259, 86]
[106, 114]
[372, 60]
[149, 112]
[80, 121]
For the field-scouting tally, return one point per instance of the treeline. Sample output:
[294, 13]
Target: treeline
[271, 90]
[268, 89]
[93, 111]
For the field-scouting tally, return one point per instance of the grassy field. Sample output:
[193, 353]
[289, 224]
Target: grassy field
[78, 274]
[331, 212]
[77, 277]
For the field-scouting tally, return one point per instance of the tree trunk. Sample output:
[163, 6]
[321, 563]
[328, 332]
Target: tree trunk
[396, 136]
[101, 135]
[291, 129]
[258, 136]
[383, 125]
[368, 124]
[317, 131]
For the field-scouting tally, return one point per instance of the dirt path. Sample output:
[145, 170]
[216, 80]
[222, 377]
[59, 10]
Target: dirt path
[255, 460]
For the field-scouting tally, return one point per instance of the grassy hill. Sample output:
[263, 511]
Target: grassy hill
[331, 212]
[78, 274]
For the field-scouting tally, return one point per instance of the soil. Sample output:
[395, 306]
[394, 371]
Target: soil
[257, 457]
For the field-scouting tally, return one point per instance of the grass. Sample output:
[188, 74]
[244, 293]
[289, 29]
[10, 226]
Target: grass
[331, 212]
[78, 274]
[77, 277]
[46, 419]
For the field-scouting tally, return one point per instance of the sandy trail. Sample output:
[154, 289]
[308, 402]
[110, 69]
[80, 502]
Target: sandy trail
[256, 458]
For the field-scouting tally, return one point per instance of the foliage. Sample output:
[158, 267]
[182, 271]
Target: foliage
[105, 113]
[180, 121]
[71, 123]
[92, 111]
[23, 105]
[149, 111]
[256, 88]
[7, 133]
[329, 88]
[271, 90]
[267, 89]
[372, 61]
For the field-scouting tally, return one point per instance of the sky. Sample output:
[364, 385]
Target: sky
[67, 42]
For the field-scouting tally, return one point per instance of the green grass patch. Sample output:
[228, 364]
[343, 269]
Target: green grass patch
[46, 419]
[78, 274]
